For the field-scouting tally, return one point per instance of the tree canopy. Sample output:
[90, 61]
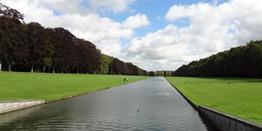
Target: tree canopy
[8, 12]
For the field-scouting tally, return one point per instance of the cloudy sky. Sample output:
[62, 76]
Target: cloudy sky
[153, 34]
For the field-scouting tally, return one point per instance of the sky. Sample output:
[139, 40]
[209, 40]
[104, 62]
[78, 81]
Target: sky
[153, 34]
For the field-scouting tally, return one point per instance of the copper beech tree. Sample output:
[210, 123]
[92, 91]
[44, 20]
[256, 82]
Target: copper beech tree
[33, 48]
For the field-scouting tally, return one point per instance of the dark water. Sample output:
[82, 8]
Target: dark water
[151, 104]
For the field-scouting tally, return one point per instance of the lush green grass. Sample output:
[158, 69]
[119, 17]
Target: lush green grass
[236, 96]
[24, 86]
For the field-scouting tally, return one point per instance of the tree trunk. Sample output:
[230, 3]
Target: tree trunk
[48, 70]
[32, 68]
[1, 64]
[9, 67]
[44, 69]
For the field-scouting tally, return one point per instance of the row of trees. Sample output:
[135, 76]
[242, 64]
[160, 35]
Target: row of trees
[242, 61]
[160, 73]
[110, 65]
[121, 67]
[31, 47]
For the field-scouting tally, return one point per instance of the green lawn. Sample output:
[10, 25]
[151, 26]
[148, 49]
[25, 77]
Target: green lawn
[44, 86]
[239, 97]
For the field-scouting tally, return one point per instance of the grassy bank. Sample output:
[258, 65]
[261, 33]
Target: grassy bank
[235, 96]
[24, 86]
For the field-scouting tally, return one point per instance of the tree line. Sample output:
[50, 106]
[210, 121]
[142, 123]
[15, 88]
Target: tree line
[33, 48]
[242, 61]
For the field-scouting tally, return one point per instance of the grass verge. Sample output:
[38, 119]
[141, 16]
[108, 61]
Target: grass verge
[239, 97]
[43, 86]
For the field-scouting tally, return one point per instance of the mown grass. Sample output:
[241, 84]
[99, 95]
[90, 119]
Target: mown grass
[44, 86]
[239, 97]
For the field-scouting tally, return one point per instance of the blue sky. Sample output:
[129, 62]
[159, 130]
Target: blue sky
[155, 10]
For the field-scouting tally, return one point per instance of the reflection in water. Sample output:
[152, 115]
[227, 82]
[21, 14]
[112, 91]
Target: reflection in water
[145, 105]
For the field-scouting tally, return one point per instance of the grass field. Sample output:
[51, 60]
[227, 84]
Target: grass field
[239, 97]
[31, 86]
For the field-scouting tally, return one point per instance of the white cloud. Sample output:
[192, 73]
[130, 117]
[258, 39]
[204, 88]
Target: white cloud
[112, 5]
[237, 17]
[136, 21]
[212, 28]
[72, 6]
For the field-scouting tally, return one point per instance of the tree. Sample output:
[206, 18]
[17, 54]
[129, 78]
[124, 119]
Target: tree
[8, 12]
[40, 47]
[89, 57]
[65, 58]
[12, 42]
[106, 64]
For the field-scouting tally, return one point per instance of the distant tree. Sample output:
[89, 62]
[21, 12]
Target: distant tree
[106, 64]
[12, 42]
[65, 58]
[242, 61]
[41, 50]
[151, 73]
[8, 12]
[89, 57]
[118, 66]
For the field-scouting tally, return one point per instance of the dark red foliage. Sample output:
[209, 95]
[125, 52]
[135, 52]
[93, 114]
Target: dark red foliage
[31, 47]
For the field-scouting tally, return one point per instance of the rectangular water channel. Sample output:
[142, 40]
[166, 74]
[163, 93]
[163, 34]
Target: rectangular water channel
[146, 105]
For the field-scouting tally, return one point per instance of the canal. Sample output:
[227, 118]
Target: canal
[151, 104]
